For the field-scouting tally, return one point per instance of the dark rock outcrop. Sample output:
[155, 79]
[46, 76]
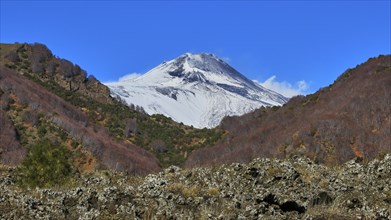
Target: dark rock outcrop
[296, 188]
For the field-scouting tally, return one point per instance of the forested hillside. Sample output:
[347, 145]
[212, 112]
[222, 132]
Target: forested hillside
[349, 118]
[46, 97]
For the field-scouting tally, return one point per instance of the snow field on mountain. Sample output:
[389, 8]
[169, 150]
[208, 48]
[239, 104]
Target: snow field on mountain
[195, 89]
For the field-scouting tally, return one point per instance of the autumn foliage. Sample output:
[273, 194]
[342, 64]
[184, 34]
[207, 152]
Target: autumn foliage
[350, 118]
[111, 153]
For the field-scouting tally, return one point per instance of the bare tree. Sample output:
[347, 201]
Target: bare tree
[158, 146]
[131, 127]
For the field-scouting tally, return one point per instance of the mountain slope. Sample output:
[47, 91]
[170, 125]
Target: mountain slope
[83, 116]
[11, 152]
[112, 154]
[196, 89]
[350, 118]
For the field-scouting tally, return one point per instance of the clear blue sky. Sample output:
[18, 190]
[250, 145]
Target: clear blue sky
[308, 41]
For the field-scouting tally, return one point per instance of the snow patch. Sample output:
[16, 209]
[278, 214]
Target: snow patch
[196, 89]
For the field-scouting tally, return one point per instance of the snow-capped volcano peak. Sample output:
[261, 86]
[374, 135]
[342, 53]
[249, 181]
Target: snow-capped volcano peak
[195, 68]
[186, 65]
[196, 89]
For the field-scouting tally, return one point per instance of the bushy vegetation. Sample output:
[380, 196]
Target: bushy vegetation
[46, 165]
[333, 125]
[124, 123]
[169, 141]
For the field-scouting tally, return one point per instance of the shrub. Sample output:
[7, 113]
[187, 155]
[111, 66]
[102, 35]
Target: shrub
[191, 192]
[212, 191]
[41, 131]
[46, 165]
[175, 187]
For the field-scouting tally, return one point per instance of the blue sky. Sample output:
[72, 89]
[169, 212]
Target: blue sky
[296, 46]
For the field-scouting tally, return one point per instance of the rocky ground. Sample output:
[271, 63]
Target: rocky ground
[295, 188]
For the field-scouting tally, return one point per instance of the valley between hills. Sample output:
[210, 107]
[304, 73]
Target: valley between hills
[70, 149]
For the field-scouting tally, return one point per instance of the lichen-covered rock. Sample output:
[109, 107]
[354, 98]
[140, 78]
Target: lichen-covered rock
[296, 188]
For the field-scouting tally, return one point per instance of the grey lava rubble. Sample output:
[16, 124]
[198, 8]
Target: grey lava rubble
[294, 188]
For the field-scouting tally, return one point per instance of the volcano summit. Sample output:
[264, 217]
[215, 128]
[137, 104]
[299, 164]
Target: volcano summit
[195, 89]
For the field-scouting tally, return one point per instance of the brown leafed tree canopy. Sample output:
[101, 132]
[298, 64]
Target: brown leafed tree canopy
[350, 118]
[111, 153]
